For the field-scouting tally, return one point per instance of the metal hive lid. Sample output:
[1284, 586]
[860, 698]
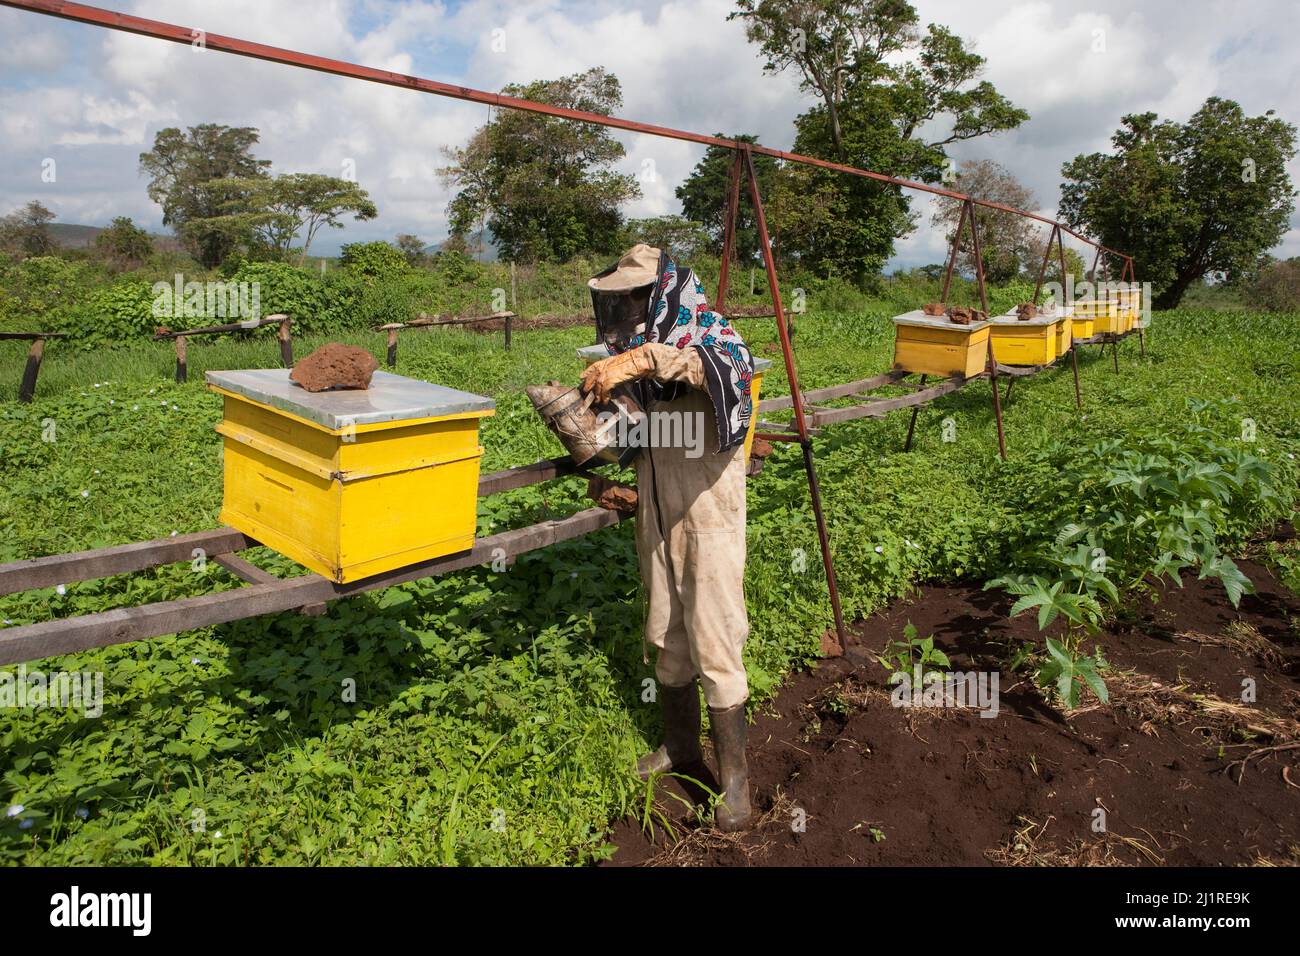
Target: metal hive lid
[390, 398]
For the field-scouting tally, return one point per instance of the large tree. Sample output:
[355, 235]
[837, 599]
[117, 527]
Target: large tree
[1006, 240]
[891, 96]
[26, 230]
[545, 186]
[1187, 200]
[270, 213]
[704, 196]
[124, 244]
[182, 168]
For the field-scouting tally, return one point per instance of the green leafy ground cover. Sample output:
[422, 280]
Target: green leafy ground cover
[496, 714]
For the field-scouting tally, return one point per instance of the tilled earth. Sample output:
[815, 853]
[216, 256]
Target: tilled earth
[840, 776]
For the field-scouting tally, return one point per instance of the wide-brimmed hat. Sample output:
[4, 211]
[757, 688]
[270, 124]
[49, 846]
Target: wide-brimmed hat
[638, 267]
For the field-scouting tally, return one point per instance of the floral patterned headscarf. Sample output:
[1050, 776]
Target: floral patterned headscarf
[679, 316]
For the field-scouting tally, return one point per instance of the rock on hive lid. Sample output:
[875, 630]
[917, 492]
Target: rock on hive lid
[390, 398]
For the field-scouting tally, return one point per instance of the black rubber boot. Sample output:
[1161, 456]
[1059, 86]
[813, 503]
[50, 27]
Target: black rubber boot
[680, 707]
[733, 811]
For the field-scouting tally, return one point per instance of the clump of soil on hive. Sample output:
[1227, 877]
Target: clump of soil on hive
[335, 366]
[1179, 768]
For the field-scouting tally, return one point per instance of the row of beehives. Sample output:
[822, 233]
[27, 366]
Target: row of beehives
[936, 345]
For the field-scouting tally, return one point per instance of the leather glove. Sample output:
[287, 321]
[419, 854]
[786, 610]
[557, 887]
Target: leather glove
[604, 376]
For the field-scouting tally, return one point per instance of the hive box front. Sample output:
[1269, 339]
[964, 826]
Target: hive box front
[1027, 341]
[935, 345]
[1104, 314]
[350, 483]
[1064, 328]
[595, 353]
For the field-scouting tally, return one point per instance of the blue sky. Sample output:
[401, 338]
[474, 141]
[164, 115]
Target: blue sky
[92, 100]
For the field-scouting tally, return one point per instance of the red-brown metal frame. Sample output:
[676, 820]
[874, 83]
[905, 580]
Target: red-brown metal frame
[744, 152]
[157, 29]
[977, 250]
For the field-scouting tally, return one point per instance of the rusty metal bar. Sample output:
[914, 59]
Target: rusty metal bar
[992, 360]
[157, 29]
[1047, 254]
[805, 442]
[952, 256]
[729, 229]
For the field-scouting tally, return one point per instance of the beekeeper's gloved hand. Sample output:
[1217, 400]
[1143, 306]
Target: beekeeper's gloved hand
[604, 376]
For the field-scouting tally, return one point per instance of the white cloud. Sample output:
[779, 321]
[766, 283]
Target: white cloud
[94, 99]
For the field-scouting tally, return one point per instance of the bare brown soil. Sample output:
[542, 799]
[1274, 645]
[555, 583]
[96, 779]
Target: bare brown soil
[1185, 772]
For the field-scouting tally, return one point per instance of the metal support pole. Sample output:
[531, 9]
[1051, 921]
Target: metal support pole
[1042, 270]
[729, 232]
[984, 303]
[801, 423]
[952, 256]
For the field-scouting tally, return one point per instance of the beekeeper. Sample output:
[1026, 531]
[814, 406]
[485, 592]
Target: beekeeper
[680, 359]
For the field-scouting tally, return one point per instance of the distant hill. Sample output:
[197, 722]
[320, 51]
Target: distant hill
[69, 235]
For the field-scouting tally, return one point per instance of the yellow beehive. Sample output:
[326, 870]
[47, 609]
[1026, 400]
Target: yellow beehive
[1027, 341]
[1140, 320]
[594, 353]
[1103, 312]
[1064, 328]
[350, 483]
[935, 345]
[1126, 310]
[1065, 332]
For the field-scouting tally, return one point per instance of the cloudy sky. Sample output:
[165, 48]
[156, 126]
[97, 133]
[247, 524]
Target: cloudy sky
[92, 100]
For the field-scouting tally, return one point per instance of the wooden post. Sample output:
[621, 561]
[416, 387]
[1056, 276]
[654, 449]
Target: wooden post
[286, 343]
[509, 319]
[392, 348]
[911, 426]
[181, 371]
[27, 388]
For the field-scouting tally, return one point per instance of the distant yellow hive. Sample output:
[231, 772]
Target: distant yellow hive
[1025, 341]
[935, 345]
[1103, 312]
[350, 483]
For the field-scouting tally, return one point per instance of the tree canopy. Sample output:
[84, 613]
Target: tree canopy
[891, 96]
[1006, 240]
[26, 230]
[545, 186]
[1187, 200]
[704, 193]
[266, 214]
[182, 168]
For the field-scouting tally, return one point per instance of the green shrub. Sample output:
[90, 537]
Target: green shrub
[112, 315]
[374, 260]
[297, 293]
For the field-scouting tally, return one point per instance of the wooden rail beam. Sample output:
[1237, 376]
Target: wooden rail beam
[119, 559]
[123, 625]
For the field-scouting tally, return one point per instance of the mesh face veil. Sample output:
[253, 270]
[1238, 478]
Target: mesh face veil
[621, 316]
